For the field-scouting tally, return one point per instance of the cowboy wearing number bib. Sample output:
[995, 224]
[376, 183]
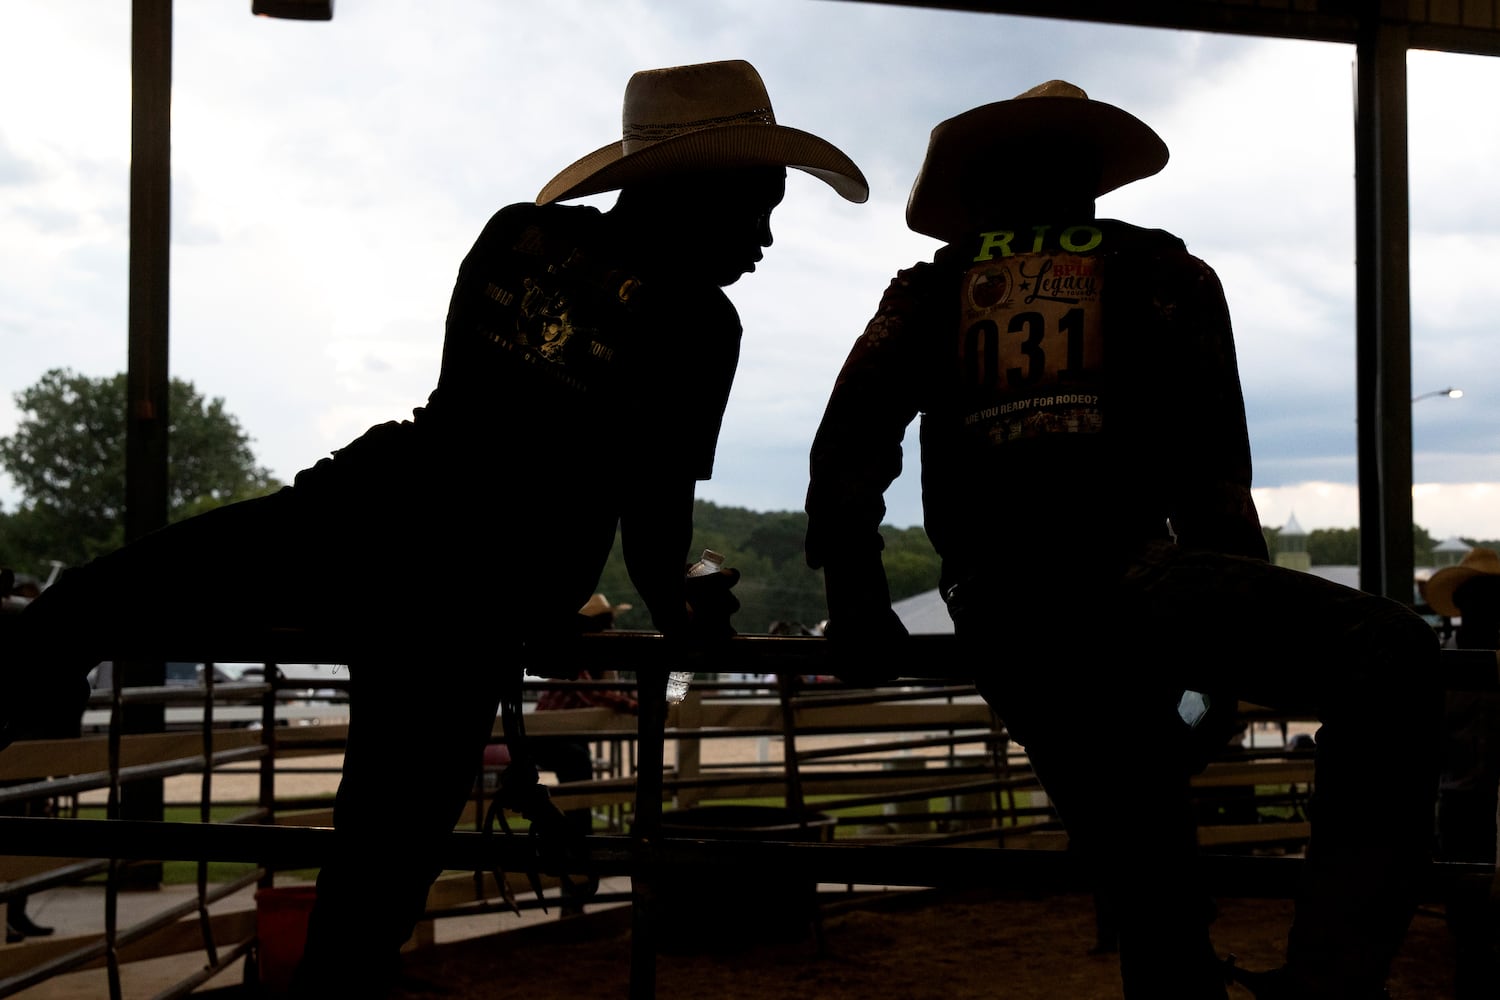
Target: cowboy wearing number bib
[1086, 480]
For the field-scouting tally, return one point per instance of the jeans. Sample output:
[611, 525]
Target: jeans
[1086, 670]
[376, 550]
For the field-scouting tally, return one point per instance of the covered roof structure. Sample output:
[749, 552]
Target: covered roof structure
[1382, 32]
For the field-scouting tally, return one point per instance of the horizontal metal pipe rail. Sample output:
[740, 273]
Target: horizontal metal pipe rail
[76, 783]
[99, 949]
[647, 853]
[106, 858]
[1462, 669]
[609, 855]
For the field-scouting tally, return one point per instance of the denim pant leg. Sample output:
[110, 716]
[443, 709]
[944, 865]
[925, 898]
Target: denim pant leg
[417, 733]
[209, 573]
[1105, 750]
[1367, 668]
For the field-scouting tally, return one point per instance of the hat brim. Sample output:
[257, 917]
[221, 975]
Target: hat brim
[1444, 584]
[1125, 148]
[610, 168]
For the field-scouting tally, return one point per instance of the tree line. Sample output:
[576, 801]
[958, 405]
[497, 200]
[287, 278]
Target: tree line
[775, 582]
[67, 458]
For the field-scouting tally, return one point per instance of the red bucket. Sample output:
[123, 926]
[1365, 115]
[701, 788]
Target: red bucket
[281, 930]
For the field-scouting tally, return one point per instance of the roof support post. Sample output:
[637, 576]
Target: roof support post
[1383, 310]
[146, 378]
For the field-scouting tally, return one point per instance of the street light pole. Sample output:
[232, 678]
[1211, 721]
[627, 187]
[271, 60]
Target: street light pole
[1450, 392]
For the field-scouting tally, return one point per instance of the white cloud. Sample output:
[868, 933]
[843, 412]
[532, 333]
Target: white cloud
[328, 178]
[1443, 510]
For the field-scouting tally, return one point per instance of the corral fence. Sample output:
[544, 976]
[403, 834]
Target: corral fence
[913, 783]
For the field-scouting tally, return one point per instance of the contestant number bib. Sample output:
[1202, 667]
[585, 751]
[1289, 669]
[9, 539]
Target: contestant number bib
[1032, 344]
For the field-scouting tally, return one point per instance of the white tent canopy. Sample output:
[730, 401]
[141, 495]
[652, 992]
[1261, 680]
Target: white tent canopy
[924, 613]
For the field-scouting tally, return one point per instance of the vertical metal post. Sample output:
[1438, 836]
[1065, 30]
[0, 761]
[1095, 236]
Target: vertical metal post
[646, 828]
[146, 379]
[150, 234]
[1383, 311]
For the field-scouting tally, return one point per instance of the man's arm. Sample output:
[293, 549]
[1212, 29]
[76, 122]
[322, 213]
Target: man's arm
[656, 528]
[679, 422]
[856, 455]
[1211, 503]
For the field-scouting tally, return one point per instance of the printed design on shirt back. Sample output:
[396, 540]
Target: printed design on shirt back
[1030, 338]
[567, 315]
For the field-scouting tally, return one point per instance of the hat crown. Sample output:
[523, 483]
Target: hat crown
[704, 116]
[1123, 148]
[663, 103]
[1481, 560]
[599, 605]
[1054, 88]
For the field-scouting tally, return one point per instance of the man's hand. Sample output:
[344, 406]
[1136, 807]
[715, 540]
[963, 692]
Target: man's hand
[711, 604]
[866, 649]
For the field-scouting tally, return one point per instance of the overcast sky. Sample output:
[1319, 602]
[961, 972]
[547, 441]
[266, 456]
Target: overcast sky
[329, 176]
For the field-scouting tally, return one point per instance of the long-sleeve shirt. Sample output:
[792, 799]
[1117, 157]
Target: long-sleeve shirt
[553, 699]
[591, 382]
[1078, 393]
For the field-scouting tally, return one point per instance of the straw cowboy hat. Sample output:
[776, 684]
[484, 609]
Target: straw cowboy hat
[1446, 581]
[1125, 148]
[706, 115]
[599, 605]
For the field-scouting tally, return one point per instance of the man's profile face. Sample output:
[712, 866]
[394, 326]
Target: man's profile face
[722, 220]
[744, 220]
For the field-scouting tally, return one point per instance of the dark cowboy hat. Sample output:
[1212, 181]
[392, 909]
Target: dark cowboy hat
[706, 115]
[1126, 149]
[1445, 582]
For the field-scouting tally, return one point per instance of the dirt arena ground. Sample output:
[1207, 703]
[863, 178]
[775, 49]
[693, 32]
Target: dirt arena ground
[907, 945]
[922, 945]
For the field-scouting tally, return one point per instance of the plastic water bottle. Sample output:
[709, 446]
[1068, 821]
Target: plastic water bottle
[708, 563]
[1192, 707]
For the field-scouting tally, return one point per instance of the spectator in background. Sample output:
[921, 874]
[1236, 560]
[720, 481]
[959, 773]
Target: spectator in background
[572, 759]
[1469, 786]
[1470, 780]
[15, 595]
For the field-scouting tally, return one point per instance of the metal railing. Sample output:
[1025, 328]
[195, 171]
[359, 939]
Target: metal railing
[643, 855]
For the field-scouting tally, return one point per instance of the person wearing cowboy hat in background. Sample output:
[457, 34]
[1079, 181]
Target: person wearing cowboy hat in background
[562, 318]
[1086, 481]
[18, 923]
[572, 759]
[1468, 813]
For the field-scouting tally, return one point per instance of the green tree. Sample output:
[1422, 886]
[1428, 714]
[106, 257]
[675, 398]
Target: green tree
[1422, 546]
[1340, 546]
[67, 458]
[775, 582]
[911, 563]
[1333, 546]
